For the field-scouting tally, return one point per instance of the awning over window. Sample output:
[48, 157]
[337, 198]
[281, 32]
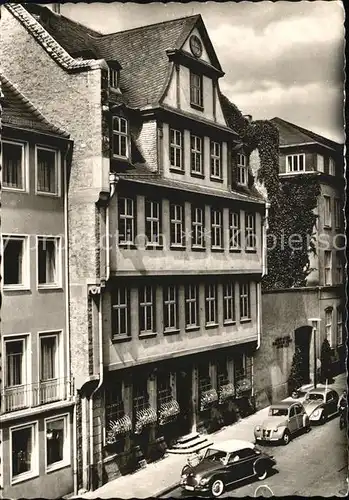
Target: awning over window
[168, 411]
[207, 398]
[145, 417]
[117, 427]
[226, 391]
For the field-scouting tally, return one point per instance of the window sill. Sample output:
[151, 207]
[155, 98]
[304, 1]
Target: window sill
[117, 339]
[198, 175]
[14, 189]
[154, 246]
[198, 249]
[245, 320]
[24, 477]
[242, 184]
[192, 328]
[147, 335]
[177, 170]
[211, 325]
[50, 287]
[199, 107]
[250, 250]
[129, 246]
[174, 331]
[117, 157]
[57, 466]
[327, 226]
[44, 193]
[179, 247]
[229, 322]
[216, 179]
[235, 250]
[16, 288]
[219, 249]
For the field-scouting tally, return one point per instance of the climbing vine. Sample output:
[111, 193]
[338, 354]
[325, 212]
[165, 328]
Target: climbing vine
[291, 221]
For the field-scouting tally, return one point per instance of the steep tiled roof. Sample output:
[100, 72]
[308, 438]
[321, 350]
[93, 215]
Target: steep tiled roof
[291, 134]
[18, 112]
[50, 44]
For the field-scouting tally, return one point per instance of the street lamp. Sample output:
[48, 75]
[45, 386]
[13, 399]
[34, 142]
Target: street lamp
[314, 324]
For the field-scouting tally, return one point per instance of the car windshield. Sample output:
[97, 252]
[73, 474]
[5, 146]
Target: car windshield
[215, 455]
[278, 412]
[314, 397]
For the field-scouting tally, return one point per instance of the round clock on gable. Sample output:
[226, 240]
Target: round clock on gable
[195, 45]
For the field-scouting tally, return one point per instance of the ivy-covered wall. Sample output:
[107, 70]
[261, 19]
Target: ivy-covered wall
[292, 203]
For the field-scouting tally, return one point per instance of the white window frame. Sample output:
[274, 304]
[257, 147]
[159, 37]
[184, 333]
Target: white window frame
[250, 231]
[25, 262]
[339, 312]
[176, 144]
[113, 78]
[328, 324]
[216, 229]
[234, 230]
[59, 353]
[198, 227]
[196, 90]
[327, 211]
[242, 169]
[328, 267]
[178, 222]
[337, 213]
[154, 221]
[229, 302]
[126, 216]
[118, 134]
[58, 262]
[144, 307]
[196, 153]
[34, 472]
[56, 193]
[320, 163]
[191, 294]
[245, 301]
[216, 160]
[25, 166]
[331, 166]
[170, 302]
[66, 444]
[26, 372]
[211, 305]
[293, 163]
[121, 306]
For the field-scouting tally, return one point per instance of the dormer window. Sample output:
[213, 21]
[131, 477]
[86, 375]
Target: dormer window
[295, 163]
[120, 137]
[113, 78]
[242, 170]
[196, 95]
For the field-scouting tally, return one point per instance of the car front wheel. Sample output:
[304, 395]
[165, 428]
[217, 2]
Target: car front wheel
[322, 418]
[217, 488]
[286, 437]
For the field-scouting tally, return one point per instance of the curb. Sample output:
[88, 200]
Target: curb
[166, 490]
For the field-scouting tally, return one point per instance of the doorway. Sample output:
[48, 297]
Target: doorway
[184, 398]
[302, 341]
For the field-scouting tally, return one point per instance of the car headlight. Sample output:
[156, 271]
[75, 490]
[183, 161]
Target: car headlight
[204, 481]
[316, 413]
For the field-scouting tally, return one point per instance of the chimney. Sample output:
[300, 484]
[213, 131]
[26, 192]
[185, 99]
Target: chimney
[248, 118]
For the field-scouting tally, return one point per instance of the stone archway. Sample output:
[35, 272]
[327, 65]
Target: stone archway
[302, 339]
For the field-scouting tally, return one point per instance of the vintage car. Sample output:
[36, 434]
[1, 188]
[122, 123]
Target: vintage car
[302, 391]
[320, 404]
[284, 420]
[224, 464]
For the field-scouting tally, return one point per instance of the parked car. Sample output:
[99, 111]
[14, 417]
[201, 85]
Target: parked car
[302, 391]
[284, 420]
[224, 464]
[320, 404]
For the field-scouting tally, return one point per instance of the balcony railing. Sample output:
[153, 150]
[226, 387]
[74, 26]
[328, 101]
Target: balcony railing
[31, 395]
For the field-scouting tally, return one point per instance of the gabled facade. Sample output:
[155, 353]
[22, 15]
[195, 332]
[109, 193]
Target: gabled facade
[165, 231]
[36, 406]
[296, 316]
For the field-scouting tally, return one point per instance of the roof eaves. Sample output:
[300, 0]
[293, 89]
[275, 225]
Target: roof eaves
[51, 46]
[32, 109]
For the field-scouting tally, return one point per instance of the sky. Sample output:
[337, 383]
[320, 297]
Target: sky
[280, 58]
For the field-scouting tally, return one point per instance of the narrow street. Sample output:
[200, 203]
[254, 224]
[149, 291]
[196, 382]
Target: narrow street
[312, 464]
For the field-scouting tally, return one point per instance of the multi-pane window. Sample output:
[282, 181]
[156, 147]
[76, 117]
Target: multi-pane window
[126, 221]
[15, 260]
[47, 170]
[113, 78]
[48, 357]
[328, 324]
[153, 222]
[320, 163]
[328, 267]
[234, 231]
[327, 211]
[250, 231]
[196, 155]
[216, 160]
[147, 309]
[339, 267]
[198, 227]
[337, 213]
[196, 95]
[205, 383]
[176, 149]
[120, 312]
[120, 137]
[13, 169]
[57, 445]
[141, 396]
[15, 350]
[170, 308]
[331, 166]
[339, 325]
[245, 305]
[242, 173]
[228, 303]
[177, 224]
[164, 392]
[216, 229]
[23, 451]
[211, 312]
[191, 306]
[114, 407]
[222, 372]
[295, 163]
[48, 261]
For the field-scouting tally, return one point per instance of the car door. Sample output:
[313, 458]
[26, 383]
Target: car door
[300, 414]
[292, 420]
[243, 466]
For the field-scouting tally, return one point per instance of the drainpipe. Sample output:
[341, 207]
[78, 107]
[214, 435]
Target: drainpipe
[113, 180]
[264, 239]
